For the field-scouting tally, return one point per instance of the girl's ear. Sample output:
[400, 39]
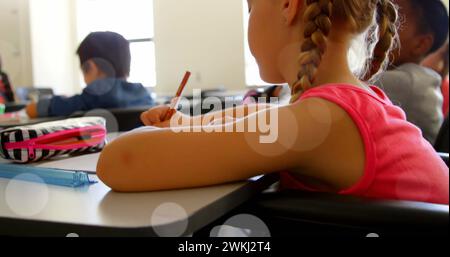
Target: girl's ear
[291, 9]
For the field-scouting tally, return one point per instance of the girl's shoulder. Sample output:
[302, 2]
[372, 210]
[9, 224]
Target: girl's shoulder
[363, 104]
[348, 92]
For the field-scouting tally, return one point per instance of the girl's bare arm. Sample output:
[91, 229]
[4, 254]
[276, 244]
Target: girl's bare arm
[164, 159]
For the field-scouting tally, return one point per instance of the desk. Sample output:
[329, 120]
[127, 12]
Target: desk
[25, 122]
[97, 211]
[14, 107]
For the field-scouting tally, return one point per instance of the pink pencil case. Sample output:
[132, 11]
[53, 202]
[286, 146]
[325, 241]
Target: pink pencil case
[46, 140]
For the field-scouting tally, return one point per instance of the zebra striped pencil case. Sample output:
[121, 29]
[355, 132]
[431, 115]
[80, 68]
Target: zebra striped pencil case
[46, 140]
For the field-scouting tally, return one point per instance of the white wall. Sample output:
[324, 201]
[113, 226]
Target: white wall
[53, 42]
[15, 41]
[204, 36]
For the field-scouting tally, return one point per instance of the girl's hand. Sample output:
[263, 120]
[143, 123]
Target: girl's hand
[156, 117]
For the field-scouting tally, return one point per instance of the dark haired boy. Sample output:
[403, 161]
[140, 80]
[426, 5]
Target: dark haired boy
[105, 63]
[417, 89]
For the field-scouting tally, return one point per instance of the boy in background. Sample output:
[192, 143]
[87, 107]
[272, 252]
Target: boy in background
[105, 60]
[417, 89]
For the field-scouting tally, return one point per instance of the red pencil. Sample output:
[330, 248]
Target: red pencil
[176, 100]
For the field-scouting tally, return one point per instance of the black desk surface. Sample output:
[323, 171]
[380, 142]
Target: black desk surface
[14, 107]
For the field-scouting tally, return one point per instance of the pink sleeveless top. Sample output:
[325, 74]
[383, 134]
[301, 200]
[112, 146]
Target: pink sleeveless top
[400, 163]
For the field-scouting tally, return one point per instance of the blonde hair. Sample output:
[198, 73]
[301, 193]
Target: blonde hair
[360, 15]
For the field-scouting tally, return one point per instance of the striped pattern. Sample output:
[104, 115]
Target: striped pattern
[20, 134]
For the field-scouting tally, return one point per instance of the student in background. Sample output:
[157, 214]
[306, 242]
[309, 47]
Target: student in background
[6, 91]
[338, 134]
[438, 61]
[105, 62]
[416, 89]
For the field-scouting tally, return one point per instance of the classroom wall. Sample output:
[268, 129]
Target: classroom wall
[15, 48]
[53, 43]
[204, 36]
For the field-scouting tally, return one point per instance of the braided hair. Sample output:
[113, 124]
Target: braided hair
[318, 18]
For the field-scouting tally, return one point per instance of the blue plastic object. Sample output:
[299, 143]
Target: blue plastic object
[45, 175]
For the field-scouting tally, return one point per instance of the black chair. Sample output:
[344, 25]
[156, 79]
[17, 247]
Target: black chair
[296, 213]
[442, 144]
[117, 120]
[212, 100]
[264, 92]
